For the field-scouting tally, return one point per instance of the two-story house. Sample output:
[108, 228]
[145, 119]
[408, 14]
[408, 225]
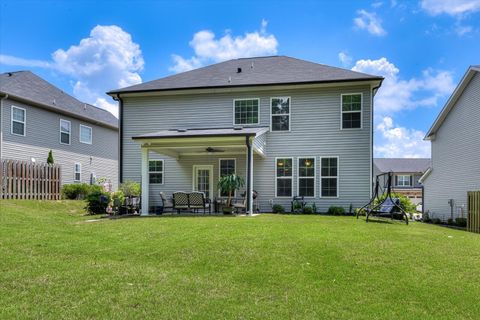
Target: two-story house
[289, 126]
[455, 143]
[407, 172]
[36, 117]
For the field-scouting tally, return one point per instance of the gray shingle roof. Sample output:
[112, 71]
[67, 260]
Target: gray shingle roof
[204, 132]
[254, 72]
[30, 87]
[403, 165]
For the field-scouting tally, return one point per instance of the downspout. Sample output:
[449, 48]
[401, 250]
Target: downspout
[248, 194]
[120, 139]
[372, 131]
[1, 124]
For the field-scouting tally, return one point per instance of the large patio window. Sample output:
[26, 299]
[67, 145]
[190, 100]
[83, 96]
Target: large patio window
[306, 177]
[329, 180]
[155, 171]
[227, 166]
[283, 177]
[246, 111]
[280, 109]
[351, 111]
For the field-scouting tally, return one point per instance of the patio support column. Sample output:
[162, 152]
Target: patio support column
[145, 182]
[249, 193]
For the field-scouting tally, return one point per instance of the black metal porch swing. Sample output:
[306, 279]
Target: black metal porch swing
[388, 207]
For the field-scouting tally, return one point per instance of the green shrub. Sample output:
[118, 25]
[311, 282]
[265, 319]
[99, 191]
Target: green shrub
[406, 204]
[336, 211]
[118, 195]
[437, 221]
[297, 206]
[97, 202]
[79, 191]
[50, 157]
[308, 209]
[278, 208]
[450, 222]
[314, 207]
[461, 222]
[130, 188]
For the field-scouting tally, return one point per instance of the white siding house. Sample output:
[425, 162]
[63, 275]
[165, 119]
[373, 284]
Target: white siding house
[455, 142]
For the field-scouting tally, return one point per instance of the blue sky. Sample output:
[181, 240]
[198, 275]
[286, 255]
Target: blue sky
[88, 47]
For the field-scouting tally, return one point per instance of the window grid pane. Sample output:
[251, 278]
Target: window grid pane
[329, 181]
[246, 111]
[351, 111]
[85, 134]
[155, 169]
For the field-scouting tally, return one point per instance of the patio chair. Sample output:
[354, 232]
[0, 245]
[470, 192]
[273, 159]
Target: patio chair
[240, 206]
[196, 200]
[132, 205]
[180, 201]
[166, 204]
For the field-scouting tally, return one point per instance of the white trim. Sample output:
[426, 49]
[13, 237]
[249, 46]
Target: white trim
[342, 112]
[145, 208]
[80, 134]
[75, 172]
[69, 133]
[314, 176]
[425, 175]
[162, 172]
[278, 115]
[219, 172]
[24, 121]
[292, 177]
[338, 177]
[194, 177]
[246, 124]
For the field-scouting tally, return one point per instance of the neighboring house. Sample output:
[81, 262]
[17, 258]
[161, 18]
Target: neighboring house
[289, 126]
[407, 172]
[455, 141]
[37, 117]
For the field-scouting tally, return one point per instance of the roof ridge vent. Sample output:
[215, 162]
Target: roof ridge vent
[239, 70]
[252, 65]
[54, 102]
[229, 79]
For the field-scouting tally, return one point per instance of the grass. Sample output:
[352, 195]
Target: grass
[55, 264]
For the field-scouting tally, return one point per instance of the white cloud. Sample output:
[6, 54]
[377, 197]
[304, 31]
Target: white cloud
[450, 7]
[209, 49]
[344, 58]
[399, 142]
[105, 60]
[112, 107]
[398, 94]
[463, 30]
[370, 22]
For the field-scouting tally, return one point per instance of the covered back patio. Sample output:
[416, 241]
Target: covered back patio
[184, 160]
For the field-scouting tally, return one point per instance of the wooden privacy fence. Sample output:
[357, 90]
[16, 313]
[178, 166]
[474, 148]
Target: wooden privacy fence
[473, 221]
[28, 180]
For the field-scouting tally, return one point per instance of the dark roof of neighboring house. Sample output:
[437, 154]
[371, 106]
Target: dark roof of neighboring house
[457, 93]
[273, 70]
[402, 165]
[26, 85]
[204, 132]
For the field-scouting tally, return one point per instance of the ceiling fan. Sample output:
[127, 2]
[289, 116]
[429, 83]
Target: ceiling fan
[212, 150]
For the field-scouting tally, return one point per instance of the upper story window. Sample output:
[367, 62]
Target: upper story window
[19, 117]
[85, 134]
[65, 131]
[77, 172]
[246, 111]
[403, 180]
[329, 177]
[155, 171]
[227, 166]
[283, 177]
[306, 177]
[351, 111]
[280, 111]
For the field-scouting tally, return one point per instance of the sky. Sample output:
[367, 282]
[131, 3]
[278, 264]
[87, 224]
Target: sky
[421, 47]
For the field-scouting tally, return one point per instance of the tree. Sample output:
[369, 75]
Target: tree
[228, 184]
[50, 157]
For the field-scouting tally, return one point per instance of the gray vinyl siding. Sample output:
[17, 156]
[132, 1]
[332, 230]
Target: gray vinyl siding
[315, 131]
[43, 134]
[455, 156]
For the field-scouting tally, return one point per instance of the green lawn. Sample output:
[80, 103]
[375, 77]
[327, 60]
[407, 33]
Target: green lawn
[55, 264]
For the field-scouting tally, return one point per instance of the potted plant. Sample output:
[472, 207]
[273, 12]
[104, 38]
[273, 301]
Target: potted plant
[229, 184]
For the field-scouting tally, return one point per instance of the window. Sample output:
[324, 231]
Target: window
[155, 171]
[246, 111]
[329, 181]
[351, 111]
[280, 111]
[85, 134]
[403, 180]
[65, 129]
[77, 172]
[283, 177]
[227, 166]
[306, 177]
[18, 121]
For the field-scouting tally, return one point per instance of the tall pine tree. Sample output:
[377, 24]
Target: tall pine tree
[50, 157]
